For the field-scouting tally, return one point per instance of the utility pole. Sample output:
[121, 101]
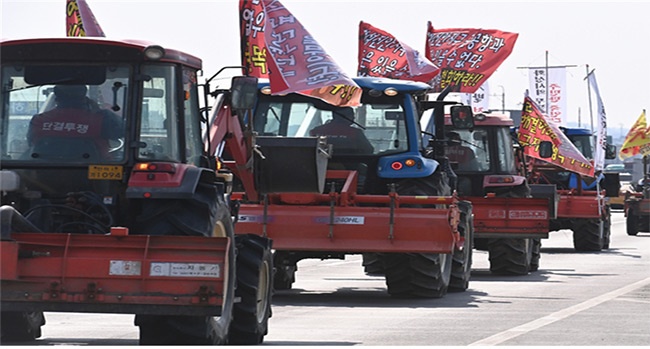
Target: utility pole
[503, 99]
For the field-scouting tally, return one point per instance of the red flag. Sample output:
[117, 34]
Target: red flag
[80, 21]
[253, 49]
[534, 129]
[467, 57]
[297, 63]
[381, 54]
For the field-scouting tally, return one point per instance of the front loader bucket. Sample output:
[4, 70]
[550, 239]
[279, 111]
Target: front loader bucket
[163, 275]
[290, 165]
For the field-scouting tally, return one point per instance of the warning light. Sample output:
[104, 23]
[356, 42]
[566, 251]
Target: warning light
[396, 165]
[156, 167]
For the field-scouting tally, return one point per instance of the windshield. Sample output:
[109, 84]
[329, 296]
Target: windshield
[63, 113]
[372, 128]
[584, 145]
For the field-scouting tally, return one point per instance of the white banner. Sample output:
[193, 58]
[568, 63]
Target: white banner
[555, 84]
[601, 138]
[479, 100]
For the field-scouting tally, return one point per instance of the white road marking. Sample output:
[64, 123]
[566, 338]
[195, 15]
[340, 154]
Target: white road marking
[557, 316]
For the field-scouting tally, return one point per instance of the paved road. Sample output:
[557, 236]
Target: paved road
[574, 299]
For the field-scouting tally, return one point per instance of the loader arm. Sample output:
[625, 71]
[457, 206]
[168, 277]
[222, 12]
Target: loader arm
[226, 130]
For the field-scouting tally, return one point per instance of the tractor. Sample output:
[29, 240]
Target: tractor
[110, 201]
[326, 194]
[509, 222]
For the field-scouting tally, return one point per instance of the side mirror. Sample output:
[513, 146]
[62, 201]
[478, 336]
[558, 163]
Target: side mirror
[545, 149]
[610, 152]
[462, 117]
[243, 92]
[612, 184]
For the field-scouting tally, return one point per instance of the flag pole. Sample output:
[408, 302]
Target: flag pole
[546, 72]
[591, 113]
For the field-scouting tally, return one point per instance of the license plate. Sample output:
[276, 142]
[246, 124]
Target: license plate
[105, 172]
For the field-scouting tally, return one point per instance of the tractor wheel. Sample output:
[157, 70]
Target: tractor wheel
[254, 269]
[20, 326]
[419, 274]
[461, 266]
[206, 214]
[586, 235]
[632, 223]
[510, 256]
[536, 254]
[372, 264]
[284, 274]
[607, 227]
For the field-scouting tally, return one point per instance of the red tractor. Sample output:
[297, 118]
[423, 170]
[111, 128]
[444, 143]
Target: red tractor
[111, 204]
[509, 222]
[582, 206]
[313, 185]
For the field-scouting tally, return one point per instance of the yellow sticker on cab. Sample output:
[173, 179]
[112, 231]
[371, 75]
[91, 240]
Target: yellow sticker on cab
[105, 172]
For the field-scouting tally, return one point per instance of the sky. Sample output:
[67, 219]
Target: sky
[610, 38]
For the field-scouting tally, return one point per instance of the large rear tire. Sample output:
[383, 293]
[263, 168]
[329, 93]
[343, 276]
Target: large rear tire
[284, 274]
[632, 223]
[586, 234]
[461, 267]
[20, 326]
[509, 256]
[254, 277]
[206, 214]
[423, 275]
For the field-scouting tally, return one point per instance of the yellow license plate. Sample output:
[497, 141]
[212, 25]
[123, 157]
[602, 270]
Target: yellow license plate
[105, 172]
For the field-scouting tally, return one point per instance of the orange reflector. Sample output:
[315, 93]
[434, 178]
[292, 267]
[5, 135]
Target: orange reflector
[396, 165]
[409, 162]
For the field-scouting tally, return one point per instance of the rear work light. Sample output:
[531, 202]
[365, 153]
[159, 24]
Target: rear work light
[156, 167]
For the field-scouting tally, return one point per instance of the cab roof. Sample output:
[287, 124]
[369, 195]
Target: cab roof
[92, 49]
[368, 83]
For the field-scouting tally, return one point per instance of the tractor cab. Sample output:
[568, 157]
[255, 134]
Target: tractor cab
[380, 139]
[78, 114]
[482, 156]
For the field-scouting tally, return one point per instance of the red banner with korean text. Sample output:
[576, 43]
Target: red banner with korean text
[297, 63]
[253, 49]
[382, 55]
[534, 129]
[467, 57]
[80, 21]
